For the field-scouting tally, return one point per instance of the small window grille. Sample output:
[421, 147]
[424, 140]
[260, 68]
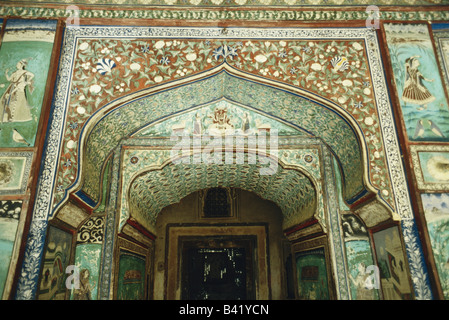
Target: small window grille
[216, 203]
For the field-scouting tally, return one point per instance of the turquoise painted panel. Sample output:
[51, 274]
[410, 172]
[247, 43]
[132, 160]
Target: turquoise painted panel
[312, 275]
[24, 63]
[416, 73]
[434, 166]
[359, 257]
[87, 260]
[131, 277]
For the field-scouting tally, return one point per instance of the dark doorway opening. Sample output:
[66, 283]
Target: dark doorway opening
[217, 268]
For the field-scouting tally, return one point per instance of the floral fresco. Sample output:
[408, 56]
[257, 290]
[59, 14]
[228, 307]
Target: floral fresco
[107, 69]
[240, 3]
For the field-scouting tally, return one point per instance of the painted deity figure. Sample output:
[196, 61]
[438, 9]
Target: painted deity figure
[360, 282]
[220, 121]
[84, 291]
[414, 90]
[14, 105]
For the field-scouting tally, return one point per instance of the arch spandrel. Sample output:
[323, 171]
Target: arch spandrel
[307, 116]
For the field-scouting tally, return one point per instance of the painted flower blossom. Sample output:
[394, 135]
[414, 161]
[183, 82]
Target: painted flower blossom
[145, 48]
[105, 65]
[191, 56]
[261, 58]
[164, 61]
[159, 45]
[84, 46]
[135, 66]
[225, 52]
[95, 88]
[316, 66]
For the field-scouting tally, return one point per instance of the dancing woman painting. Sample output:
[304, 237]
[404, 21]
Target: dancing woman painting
[14, 105]
[414, 90]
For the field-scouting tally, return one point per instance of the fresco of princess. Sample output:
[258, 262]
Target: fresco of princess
[24, 62]
[419, 86]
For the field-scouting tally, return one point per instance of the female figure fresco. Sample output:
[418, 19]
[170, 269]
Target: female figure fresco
[360, 282]
[85, 290]
[14, 102]
[414, 90]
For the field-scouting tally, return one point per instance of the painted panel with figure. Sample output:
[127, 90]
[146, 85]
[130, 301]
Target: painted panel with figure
[419, 86]
[9, 221]
[392, 263]
[55, 261]
[436, 210]
[363, 274]
[24, 64]
[87, 261]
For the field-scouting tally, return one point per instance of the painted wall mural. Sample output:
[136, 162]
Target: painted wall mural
[431, 164]
[362, 279]
[343, 69]
[87, 260]
[359, 258]
[312, 275]
[55, 261]
[14, 172]
[436, 210]
[131, 276]
[217, 118]
[10, 211]
[242, 3]
[420, 88]
[392, 264]
[135, 64]
[24, 62]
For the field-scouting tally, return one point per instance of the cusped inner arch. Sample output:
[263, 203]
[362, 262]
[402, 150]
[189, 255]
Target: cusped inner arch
[293, 191]
[304, 114]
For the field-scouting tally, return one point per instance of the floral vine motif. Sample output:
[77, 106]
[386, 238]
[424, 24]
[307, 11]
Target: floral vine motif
[314, 65]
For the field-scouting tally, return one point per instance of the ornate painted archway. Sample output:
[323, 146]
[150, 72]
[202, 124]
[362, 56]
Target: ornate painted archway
[90, 122]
